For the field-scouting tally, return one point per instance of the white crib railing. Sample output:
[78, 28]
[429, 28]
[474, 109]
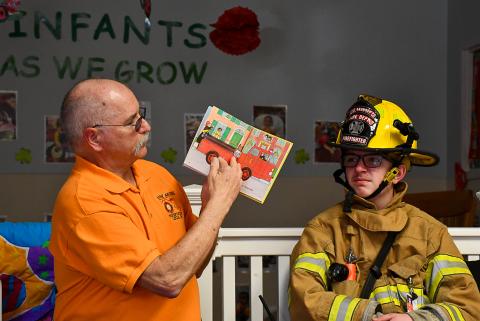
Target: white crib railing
[254, 243]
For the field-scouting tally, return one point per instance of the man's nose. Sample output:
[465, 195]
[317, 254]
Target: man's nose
[145, 128]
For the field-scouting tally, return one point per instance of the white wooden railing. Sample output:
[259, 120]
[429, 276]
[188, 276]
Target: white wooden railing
[254, 243]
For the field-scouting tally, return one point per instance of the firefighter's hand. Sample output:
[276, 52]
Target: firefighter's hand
[393, 317]
[222, 185]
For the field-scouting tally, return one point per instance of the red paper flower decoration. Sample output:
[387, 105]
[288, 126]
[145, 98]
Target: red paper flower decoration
[147, 7]
[8, 8]
[3, 13]
[236, 31]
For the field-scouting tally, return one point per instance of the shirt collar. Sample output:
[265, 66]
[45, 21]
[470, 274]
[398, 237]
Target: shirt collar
[106, 178]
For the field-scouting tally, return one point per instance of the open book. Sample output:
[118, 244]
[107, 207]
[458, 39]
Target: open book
[260, 154]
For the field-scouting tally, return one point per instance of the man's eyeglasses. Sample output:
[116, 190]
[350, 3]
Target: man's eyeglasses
[137, 124]
[369, 160]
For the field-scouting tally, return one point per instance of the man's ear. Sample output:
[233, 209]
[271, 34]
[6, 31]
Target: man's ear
[402, 171]
[92, 138]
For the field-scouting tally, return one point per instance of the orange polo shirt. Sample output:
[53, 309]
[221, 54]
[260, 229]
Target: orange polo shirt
[105, 232]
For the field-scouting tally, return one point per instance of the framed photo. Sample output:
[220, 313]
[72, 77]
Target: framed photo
[56, 147]
[326, 131]
[469, 165]
[191, 122]
[8, 115]
[271, 119]
[146, 110]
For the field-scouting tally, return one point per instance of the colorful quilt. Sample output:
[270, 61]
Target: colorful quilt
[26, 271]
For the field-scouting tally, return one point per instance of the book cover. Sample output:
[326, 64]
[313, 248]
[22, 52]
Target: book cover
[260, 154]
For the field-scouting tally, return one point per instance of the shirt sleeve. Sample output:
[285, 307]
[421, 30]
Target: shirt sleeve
[110, 248]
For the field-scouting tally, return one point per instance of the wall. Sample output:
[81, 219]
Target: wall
[315, 57]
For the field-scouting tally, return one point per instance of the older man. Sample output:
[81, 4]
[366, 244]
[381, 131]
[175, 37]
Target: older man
[125, 242]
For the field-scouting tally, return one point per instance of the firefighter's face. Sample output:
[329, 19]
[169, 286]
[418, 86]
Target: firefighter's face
[369, 171]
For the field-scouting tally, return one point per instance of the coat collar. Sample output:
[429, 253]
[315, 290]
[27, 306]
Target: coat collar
[365, 214]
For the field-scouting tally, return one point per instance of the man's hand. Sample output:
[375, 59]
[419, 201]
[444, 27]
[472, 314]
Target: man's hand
[393, 317]
[222, 184]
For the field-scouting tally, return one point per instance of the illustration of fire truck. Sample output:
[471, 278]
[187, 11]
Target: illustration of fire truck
[257, 152]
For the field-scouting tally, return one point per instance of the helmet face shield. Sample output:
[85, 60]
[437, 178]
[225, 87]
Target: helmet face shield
[380, 126]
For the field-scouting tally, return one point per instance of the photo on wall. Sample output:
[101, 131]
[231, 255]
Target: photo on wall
[8, 115]
[271, 119]
[56, 146]
[146, 112]
[473, 132]
[326, 131]
[191, 122]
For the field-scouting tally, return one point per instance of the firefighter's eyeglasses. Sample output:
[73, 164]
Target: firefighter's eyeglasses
[137, 124]
[369, 160]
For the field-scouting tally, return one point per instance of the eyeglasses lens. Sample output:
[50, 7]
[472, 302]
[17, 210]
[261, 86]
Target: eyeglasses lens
[370, 161]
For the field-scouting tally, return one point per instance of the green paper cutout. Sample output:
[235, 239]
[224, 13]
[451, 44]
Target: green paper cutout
[23, 156]
[169, 155]
[301, 156]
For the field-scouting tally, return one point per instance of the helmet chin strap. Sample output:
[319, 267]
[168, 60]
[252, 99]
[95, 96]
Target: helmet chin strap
[389, 177]
[347, 204]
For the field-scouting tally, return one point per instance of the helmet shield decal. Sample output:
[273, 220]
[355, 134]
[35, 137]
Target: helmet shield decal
[360, 124]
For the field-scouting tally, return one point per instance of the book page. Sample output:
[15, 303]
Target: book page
[260, 154]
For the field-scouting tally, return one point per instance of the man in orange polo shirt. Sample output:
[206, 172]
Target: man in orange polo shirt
[125, 242]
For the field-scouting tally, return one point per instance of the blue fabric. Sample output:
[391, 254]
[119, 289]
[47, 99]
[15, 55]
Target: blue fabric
[26, 233]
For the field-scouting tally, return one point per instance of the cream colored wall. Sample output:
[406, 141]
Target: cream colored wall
[291, 202]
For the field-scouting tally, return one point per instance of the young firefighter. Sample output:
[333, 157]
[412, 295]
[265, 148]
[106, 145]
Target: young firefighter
[423, 276]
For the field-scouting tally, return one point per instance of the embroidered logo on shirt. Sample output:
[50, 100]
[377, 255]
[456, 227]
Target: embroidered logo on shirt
[168, 201]
[168, 207]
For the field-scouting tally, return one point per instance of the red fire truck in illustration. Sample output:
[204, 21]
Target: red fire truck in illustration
[258, 156]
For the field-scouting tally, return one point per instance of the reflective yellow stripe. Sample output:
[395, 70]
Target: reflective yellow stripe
[439, 267]
[453, 311]
[342, 308]
[404, 290]
[396, 294]
[314, 262]
[385, 294]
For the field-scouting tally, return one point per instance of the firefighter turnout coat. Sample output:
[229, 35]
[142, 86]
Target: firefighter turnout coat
[423, 273]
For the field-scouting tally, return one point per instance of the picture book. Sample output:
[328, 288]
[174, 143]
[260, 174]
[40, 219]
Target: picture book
[260, 154]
